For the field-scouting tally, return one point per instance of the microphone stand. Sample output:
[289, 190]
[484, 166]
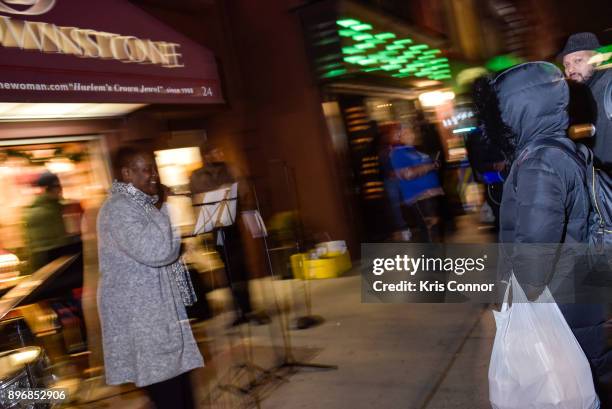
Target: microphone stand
[288, 361]
[308, 320]
[247, 364]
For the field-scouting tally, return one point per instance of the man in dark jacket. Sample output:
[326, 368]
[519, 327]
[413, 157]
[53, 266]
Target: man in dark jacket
[576, 56]
[212, 176]
[44, 224]
[545, 203]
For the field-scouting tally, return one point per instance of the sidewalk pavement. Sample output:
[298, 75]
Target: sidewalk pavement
[409, 356]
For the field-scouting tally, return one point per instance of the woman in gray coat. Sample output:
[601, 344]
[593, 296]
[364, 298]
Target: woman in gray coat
[143, 289]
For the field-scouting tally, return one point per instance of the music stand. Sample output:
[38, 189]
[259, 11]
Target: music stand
[217, 209]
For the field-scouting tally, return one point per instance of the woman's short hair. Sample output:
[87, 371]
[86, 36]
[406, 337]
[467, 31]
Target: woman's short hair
[123, 158]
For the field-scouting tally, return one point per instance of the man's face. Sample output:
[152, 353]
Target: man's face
[214, 155]
[407, 136]
[55, 191]
[142, 174]
[577, 67]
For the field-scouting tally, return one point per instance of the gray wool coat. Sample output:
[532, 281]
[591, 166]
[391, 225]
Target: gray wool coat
[145, 331]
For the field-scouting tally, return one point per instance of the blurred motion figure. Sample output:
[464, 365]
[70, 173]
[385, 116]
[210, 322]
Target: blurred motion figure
[419, 185]
[213, 175]
[44, 223]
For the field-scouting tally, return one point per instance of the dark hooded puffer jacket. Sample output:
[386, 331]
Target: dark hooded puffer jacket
[545, 198]
[548, 201]
[599, 85]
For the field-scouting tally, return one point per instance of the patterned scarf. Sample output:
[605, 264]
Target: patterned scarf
[176, 270]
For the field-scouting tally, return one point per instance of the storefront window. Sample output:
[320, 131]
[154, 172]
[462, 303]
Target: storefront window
[81, 168]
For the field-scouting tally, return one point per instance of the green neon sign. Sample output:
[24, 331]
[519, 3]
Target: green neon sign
[419, 47]
[367, 48]
[347, 33]
[350, 50]
[347, 22]
[334, 73]
[362, 27]
[385, 36]
[354, 59]
[361, 37]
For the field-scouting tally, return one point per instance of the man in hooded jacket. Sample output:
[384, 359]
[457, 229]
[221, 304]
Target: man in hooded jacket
[545, 202]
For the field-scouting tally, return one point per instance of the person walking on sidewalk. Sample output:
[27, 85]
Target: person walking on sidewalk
[419, 184]
[545, 201]
[144, 289]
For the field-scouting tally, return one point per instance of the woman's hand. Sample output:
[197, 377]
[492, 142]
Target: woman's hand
[163, 192]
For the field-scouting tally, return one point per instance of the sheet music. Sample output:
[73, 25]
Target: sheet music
[218, 209]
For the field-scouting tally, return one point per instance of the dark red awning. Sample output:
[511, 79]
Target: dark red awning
[99, 51]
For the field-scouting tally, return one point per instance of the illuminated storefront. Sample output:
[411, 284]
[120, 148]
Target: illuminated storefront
[70, 60]
[75, 77]
[374, 71]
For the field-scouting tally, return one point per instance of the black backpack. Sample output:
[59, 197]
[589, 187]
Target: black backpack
[599, 186]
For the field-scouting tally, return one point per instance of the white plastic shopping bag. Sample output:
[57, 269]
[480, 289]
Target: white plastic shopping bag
[536, 361]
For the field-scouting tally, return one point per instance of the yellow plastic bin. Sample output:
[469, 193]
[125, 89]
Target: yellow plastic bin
[316, 269]
[297, 265]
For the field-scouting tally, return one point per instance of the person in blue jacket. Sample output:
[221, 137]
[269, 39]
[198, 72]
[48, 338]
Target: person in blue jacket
[419, 185]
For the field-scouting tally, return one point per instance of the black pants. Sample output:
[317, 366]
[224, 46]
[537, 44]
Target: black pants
[424, 219]
[232, 254]
[174, 393]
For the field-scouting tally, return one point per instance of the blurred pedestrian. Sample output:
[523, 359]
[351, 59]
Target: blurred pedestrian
[430, 141]
[44, 226]
[577, 56]
[545, 200]
[144, 288]
[214, 175]
[48, 237]
[487, 159]
[419, 185]
[389, 140]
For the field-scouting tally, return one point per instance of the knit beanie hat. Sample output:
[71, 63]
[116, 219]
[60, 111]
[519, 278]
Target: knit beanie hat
[579, 42]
